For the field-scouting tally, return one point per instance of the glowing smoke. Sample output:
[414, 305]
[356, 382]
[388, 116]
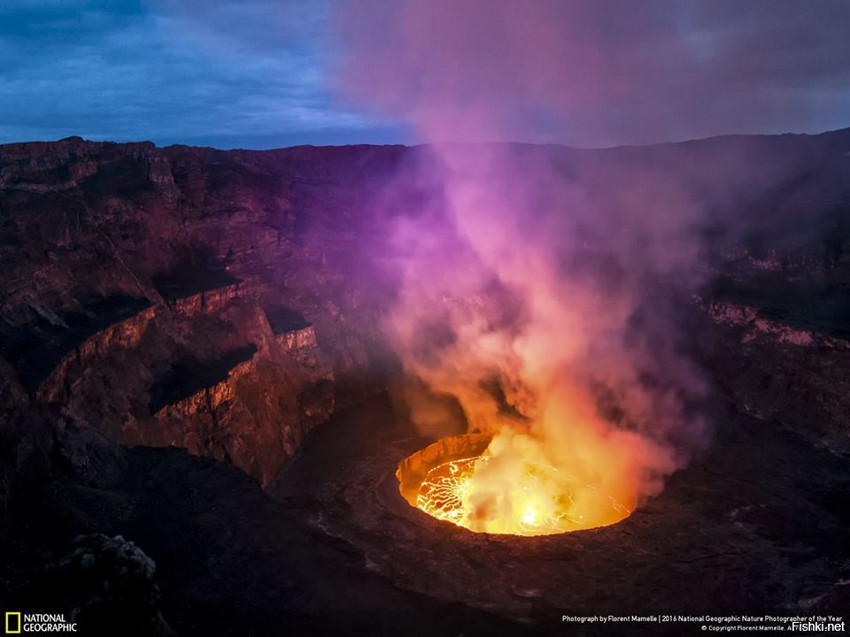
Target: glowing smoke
[541, 295]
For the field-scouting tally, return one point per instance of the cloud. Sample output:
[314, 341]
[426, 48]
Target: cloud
[126, 71]
[254, 73]
[602, 72]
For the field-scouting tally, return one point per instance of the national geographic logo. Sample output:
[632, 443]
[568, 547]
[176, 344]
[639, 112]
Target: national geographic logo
[18, 622]
[13, 623]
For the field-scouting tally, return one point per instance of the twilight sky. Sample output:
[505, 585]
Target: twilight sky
[269, 73]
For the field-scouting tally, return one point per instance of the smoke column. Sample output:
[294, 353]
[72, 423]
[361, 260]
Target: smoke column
[542, 293]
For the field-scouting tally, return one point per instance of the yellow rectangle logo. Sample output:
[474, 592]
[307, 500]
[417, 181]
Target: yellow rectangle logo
[13, 623]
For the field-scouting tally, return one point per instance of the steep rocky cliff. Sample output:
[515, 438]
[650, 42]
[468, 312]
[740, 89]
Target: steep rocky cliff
[137, 282]
[225, 302]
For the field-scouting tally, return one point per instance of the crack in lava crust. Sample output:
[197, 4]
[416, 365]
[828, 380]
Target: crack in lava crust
[445, 490]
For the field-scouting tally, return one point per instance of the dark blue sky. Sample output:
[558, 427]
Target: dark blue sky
[219, 74]
[254, 73]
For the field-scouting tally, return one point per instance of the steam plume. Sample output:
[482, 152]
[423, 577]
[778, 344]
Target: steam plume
[541, 292]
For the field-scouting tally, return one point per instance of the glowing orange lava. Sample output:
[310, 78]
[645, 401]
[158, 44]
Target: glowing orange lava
[478, 494]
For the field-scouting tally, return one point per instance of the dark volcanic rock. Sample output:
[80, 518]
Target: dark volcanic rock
[104, 585]
[759, 523]
[228, 304]
[794, 375]
[134, 279]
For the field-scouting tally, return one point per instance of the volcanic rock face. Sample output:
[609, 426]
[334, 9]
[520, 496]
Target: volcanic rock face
[144, 290]
[109, 584]
[794, 375]
[228, 304]
[782, 348]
